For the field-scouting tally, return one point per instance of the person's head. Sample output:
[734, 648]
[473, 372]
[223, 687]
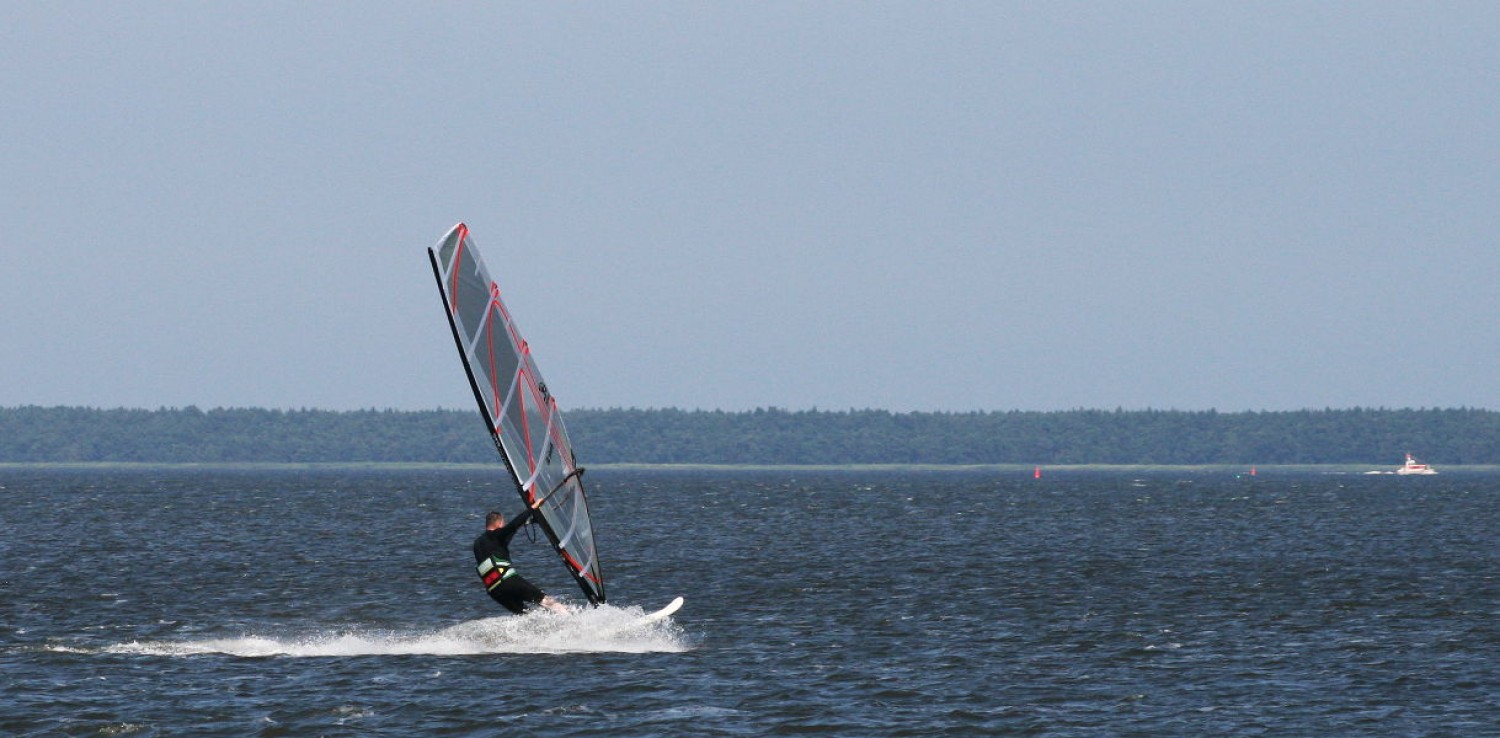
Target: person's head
[493, 520]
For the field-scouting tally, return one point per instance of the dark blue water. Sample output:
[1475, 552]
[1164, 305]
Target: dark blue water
[271, 603]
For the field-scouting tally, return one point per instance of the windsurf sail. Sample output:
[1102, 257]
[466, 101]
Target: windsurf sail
[517, 406]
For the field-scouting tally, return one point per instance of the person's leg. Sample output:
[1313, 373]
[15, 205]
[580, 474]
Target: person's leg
[534, 595]
[508, 599]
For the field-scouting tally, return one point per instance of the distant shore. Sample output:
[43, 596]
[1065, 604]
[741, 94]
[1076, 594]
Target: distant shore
[1001, 469]
[1371, 439]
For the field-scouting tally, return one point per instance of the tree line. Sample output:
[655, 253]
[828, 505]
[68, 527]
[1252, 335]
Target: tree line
[1376, 436]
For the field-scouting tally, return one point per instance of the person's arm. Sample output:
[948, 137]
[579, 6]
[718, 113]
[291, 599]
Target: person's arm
[523, 518]
[513, 525]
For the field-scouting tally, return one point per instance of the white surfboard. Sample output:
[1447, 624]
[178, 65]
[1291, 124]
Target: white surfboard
[663, 613]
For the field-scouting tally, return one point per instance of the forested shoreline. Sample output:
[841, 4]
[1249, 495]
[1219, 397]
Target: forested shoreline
[1377, 436]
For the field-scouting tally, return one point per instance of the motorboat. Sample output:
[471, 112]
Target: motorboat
[1412, 466]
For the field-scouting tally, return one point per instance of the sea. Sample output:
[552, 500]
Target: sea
[248, 601]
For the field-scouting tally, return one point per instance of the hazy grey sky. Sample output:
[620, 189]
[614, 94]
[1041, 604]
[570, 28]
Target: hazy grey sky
[911, 206]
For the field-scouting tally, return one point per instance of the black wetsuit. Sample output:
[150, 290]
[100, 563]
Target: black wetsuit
[508, 588]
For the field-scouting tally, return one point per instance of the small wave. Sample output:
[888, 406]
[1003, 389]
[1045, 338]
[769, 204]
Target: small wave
[605, 629]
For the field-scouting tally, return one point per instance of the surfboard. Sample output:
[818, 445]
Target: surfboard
[663, 613]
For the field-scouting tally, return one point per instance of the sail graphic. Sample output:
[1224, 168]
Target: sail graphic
[517, 406]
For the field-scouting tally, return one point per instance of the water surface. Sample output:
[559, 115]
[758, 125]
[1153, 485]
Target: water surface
[218, 602]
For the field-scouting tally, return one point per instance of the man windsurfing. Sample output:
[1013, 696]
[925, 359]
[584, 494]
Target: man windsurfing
[492, 557]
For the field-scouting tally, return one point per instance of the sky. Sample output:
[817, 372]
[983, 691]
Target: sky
[906, 206]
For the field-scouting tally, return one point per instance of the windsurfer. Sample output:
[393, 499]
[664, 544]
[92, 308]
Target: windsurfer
[492, 555]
